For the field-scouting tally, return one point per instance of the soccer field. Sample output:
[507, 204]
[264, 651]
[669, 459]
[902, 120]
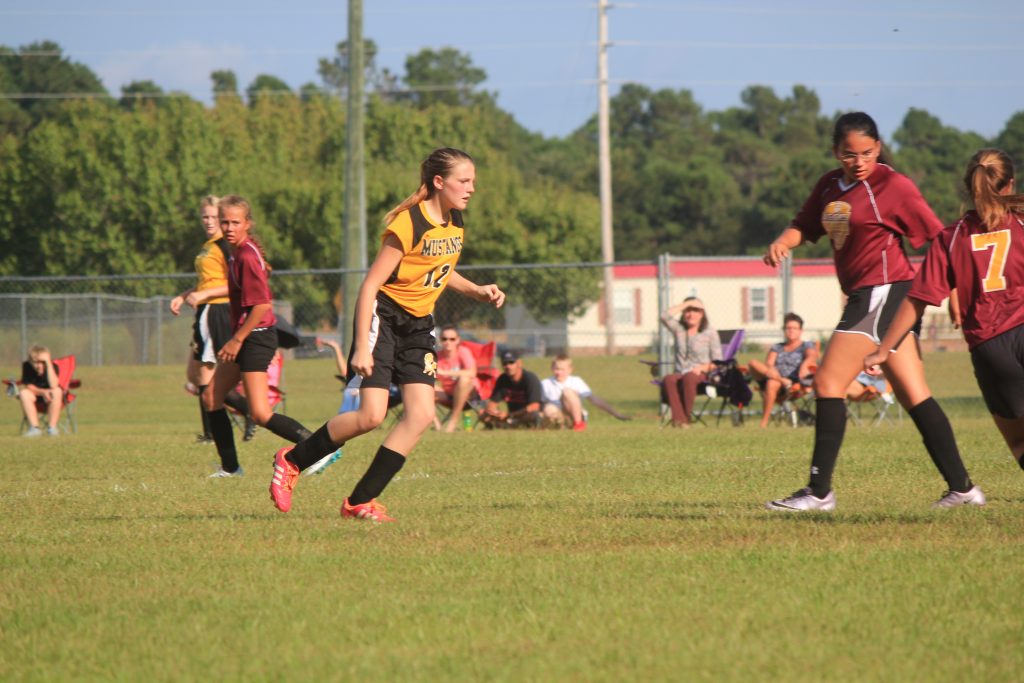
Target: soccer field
[623, 553]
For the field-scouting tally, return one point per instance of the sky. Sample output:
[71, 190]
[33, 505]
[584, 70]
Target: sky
[959, 61]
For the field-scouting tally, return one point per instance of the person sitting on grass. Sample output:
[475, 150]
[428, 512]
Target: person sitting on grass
[563, 395]
[39, 383]
[520, 390]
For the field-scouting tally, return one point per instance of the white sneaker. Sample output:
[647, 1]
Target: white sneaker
[803, 500]
[33, 431]
[220, 474]
[952, 499]
[322, 464]
[53, 431]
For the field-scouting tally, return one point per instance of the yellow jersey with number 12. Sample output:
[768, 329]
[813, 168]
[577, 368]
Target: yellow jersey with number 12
[430, 252]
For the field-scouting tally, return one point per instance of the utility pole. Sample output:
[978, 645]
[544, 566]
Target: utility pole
[605, 174]
[353, 248]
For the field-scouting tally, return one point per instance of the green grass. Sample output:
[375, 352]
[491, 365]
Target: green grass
[626, 552]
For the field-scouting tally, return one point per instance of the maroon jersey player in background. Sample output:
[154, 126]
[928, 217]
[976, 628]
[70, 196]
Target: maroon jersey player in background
[981, 256]
[866, 209]
[253, 343]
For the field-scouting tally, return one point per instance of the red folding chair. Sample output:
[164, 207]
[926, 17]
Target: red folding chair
[486, 374]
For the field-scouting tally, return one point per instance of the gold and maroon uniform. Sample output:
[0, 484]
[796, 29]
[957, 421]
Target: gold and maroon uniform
[430, 251]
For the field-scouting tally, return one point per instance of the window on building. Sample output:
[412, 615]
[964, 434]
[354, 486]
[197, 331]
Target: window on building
[758, 304]
[625, 306]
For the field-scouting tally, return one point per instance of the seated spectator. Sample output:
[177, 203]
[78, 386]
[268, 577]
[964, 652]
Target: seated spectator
[788, 363]
[520, 390]
[563, 395]
[864, 382]
[39, 383]
[697, 347]
[456, 377]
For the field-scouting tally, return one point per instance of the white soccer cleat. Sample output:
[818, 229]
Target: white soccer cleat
[803, 500]
[952, 499]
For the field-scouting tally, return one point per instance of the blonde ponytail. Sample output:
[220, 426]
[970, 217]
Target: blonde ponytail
[989, 172]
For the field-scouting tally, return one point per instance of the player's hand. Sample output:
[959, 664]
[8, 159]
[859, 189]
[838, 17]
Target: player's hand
[229, 352]
[775, 254]
[873, 363]
[176, 303]
[492, 294]
[362, 363]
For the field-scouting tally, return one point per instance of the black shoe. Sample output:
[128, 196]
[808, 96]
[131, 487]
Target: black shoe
[204, 439]
[250, 429]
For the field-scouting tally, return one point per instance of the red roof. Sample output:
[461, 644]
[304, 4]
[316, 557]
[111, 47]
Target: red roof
[740, 267]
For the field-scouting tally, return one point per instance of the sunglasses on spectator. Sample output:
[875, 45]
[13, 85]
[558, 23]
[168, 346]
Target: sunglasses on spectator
[449, 339]
[508, 363]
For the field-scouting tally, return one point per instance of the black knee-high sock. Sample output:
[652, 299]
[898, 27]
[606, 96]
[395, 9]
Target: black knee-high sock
[1020, 461]
[237, 401]
[938, 438]
[220, 425]
[311, 450]
[384, 467]
[829, 428]
[202, 412]
[287, 428]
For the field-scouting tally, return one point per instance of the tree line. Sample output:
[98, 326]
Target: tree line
[111, 184]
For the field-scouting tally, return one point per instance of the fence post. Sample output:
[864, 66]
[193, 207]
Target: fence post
[664, 291]
[145, 338]
[24, 328]
[786, 275]
[98, 349]
[159, 331]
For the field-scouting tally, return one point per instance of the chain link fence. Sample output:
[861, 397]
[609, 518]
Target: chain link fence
[551, 308]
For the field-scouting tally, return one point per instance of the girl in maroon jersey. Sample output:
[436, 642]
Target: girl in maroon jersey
[253, 342]
[866, 208]
[981, 257]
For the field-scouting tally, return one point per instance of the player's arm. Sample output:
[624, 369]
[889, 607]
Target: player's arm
[197, 297]
[906, 315]
[229, 352]
[789, 239]
[488, 294]
[388, 259]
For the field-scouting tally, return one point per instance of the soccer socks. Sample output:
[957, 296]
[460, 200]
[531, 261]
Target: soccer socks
[829, 428]
[287, 428]
[220, 425]
[313, 449]
[938, 438]
[202, 413]
[384, 467]
[237, 401]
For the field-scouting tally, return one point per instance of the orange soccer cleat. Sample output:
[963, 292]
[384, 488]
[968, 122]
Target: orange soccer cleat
[373, 511]
[285, 476]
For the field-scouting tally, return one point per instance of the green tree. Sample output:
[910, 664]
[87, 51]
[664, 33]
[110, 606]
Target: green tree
[225, 83]
[444, 76]
[264, 86]
[140, 93]
[334, 71]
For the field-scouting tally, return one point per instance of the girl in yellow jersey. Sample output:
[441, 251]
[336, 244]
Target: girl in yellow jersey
[393, 336]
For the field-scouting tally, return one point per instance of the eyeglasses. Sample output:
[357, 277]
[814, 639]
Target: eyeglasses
[449, 339]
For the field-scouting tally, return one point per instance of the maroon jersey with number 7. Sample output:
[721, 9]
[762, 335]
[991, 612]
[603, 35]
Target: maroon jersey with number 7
[986, 267]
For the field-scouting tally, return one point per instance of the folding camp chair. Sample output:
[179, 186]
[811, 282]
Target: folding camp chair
[878, 400]
[727, 383]
[66, 380]
[486, 376]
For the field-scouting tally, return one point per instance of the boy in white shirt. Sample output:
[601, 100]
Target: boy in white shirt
[563, 395]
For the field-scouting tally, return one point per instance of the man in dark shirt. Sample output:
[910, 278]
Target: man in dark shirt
[518, 388]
